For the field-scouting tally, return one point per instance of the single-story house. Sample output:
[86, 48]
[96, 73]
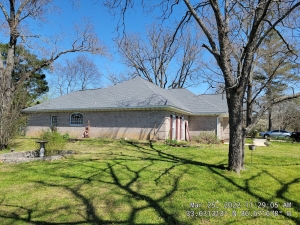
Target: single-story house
[135, 109]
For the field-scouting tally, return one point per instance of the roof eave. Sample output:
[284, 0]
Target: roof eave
[169, 108]
[220, 114]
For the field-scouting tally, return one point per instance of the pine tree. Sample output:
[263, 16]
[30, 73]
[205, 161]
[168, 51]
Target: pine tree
[275, 70]
[36, 84]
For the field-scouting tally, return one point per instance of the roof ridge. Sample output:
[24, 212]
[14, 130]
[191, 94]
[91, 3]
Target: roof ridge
[163, 96]
[211, 94]
[146, 83]
[199, 96]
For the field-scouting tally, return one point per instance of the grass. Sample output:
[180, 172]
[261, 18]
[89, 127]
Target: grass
[110, 182]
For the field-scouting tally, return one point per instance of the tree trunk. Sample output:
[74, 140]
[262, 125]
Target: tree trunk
[249, 103]
[7, 89]
[237, 131]
[270, 119]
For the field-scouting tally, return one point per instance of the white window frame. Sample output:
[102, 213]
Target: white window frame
[51, 121]
[79, 121]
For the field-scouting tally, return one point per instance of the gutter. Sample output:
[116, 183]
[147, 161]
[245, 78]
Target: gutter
[170, 108]
[220, 114]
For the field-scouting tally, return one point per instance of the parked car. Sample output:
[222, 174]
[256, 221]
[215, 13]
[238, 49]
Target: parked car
[276, 134]
[296, 136]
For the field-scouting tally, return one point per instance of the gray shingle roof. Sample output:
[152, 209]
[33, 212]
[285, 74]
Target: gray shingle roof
[134, 94]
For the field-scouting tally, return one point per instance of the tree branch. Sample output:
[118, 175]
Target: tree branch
[20, 10]
[276, 23]
[204, 28]
[268, 105]
[4, 12]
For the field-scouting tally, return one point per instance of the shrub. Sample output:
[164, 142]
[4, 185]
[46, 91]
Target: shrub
[207, 138]
[171, 142]
[176, 143]
[56, 141]
[253, 133]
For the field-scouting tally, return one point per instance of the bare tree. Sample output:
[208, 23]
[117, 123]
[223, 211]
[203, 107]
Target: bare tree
[15, 14]
[116, 78]
[233, 33]
[286, 115]
[162, 59]
[76, 74]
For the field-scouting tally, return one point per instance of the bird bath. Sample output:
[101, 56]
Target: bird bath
[42, 147]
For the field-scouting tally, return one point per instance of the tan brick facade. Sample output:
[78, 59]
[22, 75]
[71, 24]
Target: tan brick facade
[224, 131]
[137, 124]
[218, 126]
[131, 124]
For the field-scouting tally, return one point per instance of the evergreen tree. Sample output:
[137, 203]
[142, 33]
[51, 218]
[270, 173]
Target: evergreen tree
[275, 70]
[36, 84]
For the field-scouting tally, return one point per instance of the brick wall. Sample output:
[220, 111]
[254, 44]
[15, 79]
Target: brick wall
[224, 128]
[202, 123]
[137, 124]
[199, 124]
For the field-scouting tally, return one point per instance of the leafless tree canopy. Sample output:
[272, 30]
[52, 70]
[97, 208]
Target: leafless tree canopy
[233, 32]
[165, 60]
[76, 74]
[286, 115]
[15, 14]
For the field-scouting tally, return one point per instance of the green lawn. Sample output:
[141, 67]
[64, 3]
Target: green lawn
[126, 183]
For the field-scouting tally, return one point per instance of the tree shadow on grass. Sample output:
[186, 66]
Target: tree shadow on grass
[113, 178]
[163, 156]
[112, 175]
[216, 169]
[279, 195]
[128, 189]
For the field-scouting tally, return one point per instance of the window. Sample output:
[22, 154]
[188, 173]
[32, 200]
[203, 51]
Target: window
[76, 119]
[53, 121]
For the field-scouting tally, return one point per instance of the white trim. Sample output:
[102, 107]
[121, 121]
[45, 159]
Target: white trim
[75, 124]
[51, 120]
[97, 109]
[168, 108]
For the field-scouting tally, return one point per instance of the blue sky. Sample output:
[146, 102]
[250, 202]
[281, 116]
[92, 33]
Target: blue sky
[104, 24]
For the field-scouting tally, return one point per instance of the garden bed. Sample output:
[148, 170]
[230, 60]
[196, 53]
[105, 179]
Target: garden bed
[27, 156]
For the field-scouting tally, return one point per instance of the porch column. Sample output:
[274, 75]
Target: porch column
[182, 129]
[173, 126]
[219, 128]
